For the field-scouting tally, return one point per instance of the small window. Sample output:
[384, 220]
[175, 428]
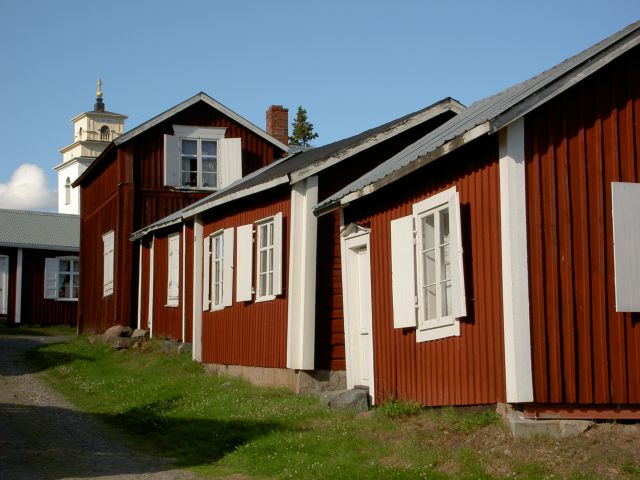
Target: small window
[108, 244]
[427, 273]
[61, 278]
[67, 191]
[173, 278]
[80, 132]
[105, 134]
[218, 270]
[199, 163]
[265, 259]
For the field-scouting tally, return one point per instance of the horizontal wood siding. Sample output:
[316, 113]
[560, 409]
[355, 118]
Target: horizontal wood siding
[329, 345]
[463, 370]
[583, 351]
[167, 321]
[249, 333]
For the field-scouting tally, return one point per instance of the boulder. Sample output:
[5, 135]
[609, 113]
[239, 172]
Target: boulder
[138, 333]
[116, 331]
[356, 399]
[120, 343]
[184, 348]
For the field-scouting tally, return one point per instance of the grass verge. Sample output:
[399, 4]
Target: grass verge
[223, 426]
[37, 330]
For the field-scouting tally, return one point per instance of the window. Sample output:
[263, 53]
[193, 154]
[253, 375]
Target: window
[218, 270]
[61, 278]
[105, 133]
[108, 253]
[427, 273]
[80, 131]
[268, 255]
[67, 191]
[173, 277]
[200, 157]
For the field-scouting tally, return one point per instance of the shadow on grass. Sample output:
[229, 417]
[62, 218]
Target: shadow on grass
[16, 349]
[73, 444]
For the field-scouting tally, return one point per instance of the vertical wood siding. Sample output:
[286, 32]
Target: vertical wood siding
[167, 321]
[125, 192]
[144, 297]
[583, 351]
[249, 333]
[463, 370]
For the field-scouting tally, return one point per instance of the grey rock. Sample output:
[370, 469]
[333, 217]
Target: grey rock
[116, 331]
[184, 348]
[120, 343]
[138, 333]
[356, 399]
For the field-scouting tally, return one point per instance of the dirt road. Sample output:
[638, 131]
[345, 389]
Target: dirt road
[43, 437]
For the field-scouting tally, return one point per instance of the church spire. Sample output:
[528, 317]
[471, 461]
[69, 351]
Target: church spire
[99, 105]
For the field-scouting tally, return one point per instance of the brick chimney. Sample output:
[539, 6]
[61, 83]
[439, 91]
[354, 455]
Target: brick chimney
[278, 123]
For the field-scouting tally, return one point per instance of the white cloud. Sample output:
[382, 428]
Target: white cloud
[27, 190]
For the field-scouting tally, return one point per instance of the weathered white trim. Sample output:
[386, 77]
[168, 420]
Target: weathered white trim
[302, 275]
[139, 322]
[196, 350]
[18, 316]
[184, 281]
[150, 311]
[447, 106]
[515, 275]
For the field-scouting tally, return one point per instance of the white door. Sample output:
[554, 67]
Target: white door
[358, 313]
[4, 284]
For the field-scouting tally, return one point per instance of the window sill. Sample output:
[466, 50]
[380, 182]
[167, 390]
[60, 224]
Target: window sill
[194, 189]
[437, 333]
[66, 299]
[172, 305]
[217, 308]
[266, 298]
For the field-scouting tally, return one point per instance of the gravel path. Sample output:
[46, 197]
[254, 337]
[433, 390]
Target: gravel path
[43, 437]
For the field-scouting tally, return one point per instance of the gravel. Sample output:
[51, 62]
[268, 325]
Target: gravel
[42, 436]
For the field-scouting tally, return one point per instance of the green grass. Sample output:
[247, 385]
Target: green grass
[224, 426]
[37, 330]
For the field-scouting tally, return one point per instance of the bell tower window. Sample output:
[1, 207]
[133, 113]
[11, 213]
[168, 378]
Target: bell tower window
[67, 191]
[105, 133]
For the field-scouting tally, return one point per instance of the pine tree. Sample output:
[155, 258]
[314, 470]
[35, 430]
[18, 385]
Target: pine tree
[302, 130]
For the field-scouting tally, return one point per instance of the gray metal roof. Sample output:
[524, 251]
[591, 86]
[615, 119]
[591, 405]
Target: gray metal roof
[488, 116]
[305, 163]
[41, 230]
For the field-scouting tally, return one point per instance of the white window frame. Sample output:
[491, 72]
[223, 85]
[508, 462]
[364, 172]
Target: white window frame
[272, 271]
[108, 254]
[223, 258]
[173, 270]
[408, 276]
[198, 134]
[217, 270]
[71, 273]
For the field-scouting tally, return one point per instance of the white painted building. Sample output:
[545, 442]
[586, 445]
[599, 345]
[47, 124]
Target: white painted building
[92, 132]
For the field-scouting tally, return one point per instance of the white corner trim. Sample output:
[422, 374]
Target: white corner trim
[196, 340]
[184, 283]
[515, 275]
[18, 315]
[302, 275]
[139, 322]
[151, 283]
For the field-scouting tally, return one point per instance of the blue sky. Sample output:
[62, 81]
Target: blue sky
[351, 64]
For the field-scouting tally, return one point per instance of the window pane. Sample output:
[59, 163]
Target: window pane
[64, 266]
[430, 302]
[428, 232]
[208, 165]
[75, 264]
[263, 261]
[263, 285]
[270, 265]
[263, 235]
[190, 179]
[189, 147]
[209, 148]
[444, 226]
[445, 290]
[271, 234]
[189, 164]
[429, 267]
[209, 180]
[270, 285]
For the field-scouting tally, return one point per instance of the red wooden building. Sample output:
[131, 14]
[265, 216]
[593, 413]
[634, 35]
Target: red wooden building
[497, 259]
[258, 288]
[153, 170]
[39, 274]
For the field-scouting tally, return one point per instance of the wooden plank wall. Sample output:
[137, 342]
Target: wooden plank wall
[167, 321]
[583, 351]
[464, 370]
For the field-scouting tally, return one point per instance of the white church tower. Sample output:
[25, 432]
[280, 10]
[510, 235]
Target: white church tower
[92, 132]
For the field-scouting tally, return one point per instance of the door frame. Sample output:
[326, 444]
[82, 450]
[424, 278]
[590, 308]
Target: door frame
[5, 301]
[355, 237]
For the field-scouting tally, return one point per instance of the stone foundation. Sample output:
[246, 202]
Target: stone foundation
[308, 382]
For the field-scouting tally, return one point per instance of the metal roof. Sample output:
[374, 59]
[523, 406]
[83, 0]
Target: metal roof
[41, 230]
[199, 97]
[488, 116]
[302, 164]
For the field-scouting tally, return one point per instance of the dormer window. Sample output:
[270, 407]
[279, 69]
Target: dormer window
[201, 158]
[105, 133]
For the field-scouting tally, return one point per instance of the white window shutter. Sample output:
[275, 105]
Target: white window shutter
[403, 273]
[277, 254]
[171, 161]
[244, 262]
[227, 279]
[459, 301]
[626, 247]
[229, 161]
[108, 240]
[51, 278]
[206, 274]
[173, 287]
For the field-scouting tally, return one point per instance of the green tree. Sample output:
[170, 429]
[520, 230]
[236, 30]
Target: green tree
[302, 130]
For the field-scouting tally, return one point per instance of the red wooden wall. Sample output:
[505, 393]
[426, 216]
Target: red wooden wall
[583, 351]
[463, 370]
[167, 321]
[249, 333]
